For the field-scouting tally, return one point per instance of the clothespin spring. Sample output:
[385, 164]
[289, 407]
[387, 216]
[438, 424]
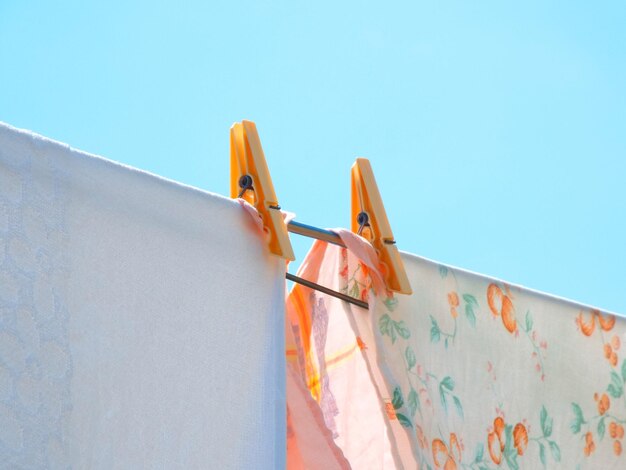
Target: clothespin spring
[245, 183]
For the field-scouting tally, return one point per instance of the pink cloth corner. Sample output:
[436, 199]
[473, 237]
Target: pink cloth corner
[331, 353]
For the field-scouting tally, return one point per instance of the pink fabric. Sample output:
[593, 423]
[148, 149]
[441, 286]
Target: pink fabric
[309, 443]
[331, 346]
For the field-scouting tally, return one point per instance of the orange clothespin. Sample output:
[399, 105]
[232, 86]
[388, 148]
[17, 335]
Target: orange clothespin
[369, 220]
[250, 180]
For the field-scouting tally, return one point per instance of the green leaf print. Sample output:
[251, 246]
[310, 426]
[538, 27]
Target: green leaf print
[391, 303]
[546, 422]
[385, 325]
[443, 271]
[556, 451]
[469, 313]
[480, 451]
[614, 391]
[542, 453]
[528, 322]
[601, 428]
[435, 332]
[447, 383]
[410, 357]
[402, 329]
[355, 291]
[470, 304]
[617, 385]
[392, 328]
[404, 421]
[511, 459]
[413, 401]
[624, 369]
[508, 436]
[578, 418]
[447, 386]
[470, 299]
[397, 400]
[616, 379]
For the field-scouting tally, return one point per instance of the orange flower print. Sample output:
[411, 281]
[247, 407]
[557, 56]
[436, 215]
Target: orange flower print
[501, 304]
[495, 449]
[495, 440]
[615, 342]
[364, 270]
[520, 438]
[607, 423]
[455, 447]
[498, 426]
[603, 403]
[344, 271]
[453, 300]
[440, 452]
[494, 297]
[391, 412]
[506, 442]
[610, 350]
[610, 355]
[508, 314]
[590, 445]
[587, 322]
[445, 457]
[606, 322]
[616, 431]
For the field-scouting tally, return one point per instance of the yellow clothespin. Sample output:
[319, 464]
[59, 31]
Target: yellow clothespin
[250, 179]
[369, 220]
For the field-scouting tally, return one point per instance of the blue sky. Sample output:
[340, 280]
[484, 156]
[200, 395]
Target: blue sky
[497, 131]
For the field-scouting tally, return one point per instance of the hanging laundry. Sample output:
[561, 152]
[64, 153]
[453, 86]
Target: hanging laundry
[141, 321]
[471, 372]
[333, 347]
[310, 443]
[489, 374]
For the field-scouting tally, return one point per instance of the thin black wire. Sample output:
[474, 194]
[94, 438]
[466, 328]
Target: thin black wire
[246, 183]
[328, 291]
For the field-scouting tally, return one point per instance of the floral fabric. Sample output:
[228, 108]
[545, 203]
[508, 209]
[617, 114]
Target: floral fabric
[490, 375]
[477, 373]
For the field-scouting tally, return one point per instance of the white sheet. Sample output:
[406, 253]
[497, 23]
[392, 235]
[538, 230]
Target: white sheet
[141, 321]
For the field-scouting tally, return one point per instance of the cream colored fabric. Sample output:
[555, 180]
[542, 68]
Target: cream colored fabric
[487, 374]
